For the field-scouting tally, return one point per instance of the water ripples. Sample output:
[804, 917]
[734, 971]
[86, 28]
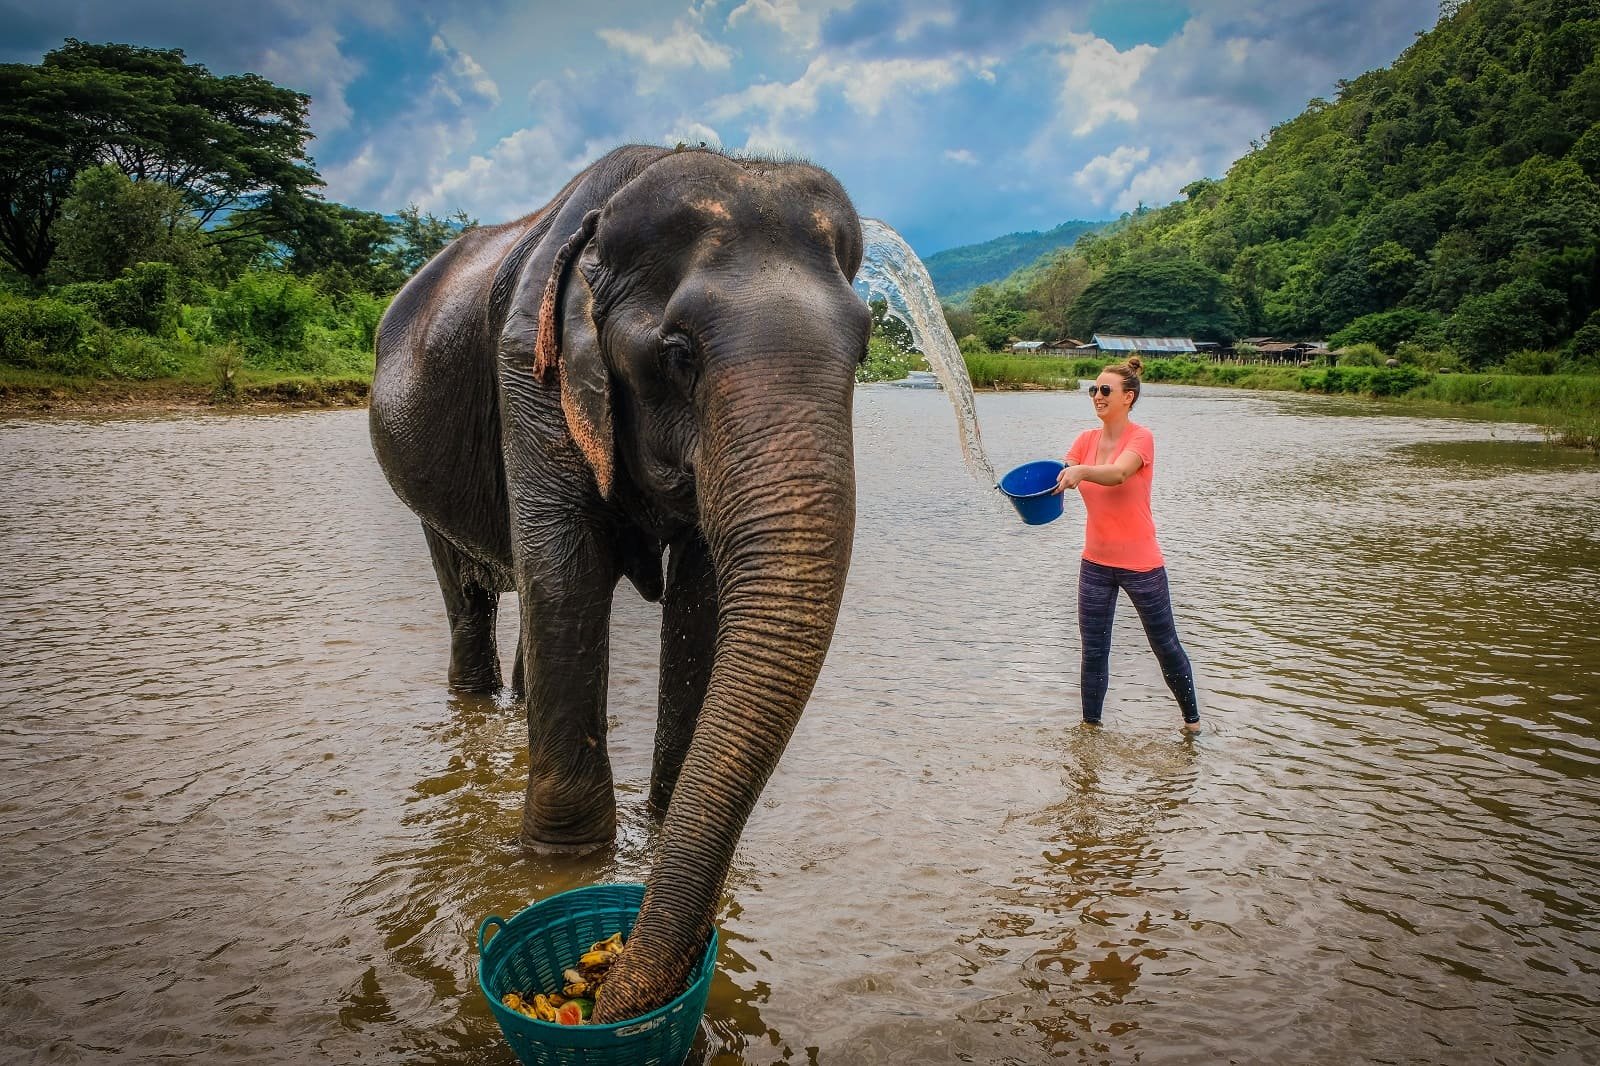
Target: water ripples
[241, 818]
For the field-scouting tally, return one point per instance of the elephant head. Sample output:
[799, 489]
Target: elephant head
[699, 327]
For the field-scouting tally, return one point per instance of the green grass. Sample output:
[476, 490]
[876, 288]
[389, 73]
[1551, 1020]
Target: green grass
[1005, 371]
[1566, 405]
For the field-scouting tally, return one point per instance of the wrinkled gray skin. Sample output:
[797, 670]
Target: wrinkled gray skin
[650, 378]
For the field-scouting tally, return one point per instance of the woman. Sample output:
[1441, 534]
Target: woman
[1111, 467]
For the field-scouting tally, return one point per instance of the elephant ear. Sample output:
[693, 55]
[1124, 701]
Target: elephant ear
[569, 342]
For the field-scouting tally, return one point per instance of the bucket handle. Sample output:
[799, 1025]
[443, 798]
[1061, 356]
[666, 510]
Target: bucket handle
[498, 922]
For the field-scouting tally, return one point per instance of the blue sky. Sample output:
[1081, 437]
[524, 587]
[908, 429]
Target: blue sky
[953, 120]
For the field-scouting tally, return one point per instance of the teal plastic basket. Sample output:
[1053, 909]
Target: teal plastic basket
[529, 953]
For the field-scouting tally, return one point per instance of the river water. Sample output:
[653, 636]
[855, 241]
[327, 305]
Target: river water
[242, 820]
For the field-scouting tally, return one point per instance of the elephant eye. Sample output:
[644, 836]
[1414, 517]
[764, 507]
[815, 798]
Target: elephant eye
[678, 362]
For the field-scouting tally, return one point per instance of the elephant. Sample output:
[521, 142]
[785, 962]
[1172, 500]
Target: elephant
[649, 377]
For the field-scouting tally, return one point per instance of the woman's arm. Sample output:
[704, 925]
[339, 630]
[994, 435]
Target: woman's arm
[1113, 473]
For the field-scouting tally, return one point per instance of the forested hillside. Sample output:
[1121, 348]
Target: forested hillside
[957, 271]
[1448, 204]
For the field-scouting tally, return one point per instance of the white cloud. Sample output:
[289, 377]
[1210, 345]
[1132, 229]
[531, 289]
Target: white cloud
[520, 173]
[314, 64]
[687, 131]
[466, 72]
[799, 21]
[1158, 185]
[866, 85]
[683, 48]
[1098, 80]
[1105, 175]
[961, 155]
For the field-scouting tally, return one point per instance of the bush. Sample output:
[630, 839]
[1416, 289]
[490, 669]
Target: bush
[1531, 362]
[134, 355]
[268, 314]
[1583, 350]
[45, 334]
[1438, 360]
[1386, 329]
[887, 362]
[1363, 354]
[142, 298]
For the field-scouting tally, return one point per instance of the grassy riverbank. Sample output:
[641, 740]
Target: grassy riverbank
[1566, 405]
[39, 392]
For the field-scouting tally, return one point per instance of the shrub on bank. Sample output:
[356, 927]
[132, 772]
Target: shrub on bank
[45, 334]
[992, 371]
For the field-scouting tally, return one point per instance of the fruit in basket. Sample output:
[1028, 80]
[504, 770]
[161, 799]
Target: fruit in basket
[575, 1002]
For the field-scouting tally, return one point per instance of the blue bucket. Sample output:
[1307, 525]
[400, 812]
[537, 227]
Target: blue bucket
[529, 953]
[1031, 488]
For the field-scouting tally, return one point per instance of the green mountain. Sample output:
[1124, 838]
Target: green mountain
[957, 271]
[1449, 200]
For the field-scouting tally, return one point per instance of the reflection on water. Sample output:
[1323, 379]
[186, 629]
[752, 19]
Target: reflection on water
[242, 820]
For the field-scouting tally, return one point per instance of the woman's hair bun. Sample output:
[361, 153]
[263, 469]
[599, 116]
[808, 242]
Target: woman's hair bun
[1135, 364]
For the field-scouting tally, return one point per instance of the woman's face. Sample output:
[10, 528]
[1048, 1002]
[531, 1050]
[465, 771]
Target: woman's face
[1118, 402]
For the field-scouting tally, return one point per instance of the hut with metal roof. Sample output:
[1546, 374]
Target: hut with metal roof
[1110, 342]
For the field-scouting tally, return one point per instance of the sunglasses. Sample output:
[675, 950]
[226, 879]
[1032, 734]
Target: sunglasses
[1104, 390]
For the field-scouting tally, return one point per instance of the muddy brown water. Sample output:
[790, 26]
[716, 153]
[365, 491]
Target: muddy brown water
[242, 820]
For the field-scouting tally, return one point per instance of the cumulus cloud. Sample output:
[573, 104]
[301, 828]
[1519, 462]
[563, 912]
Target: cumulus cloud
[1106, 175]
[1158, 184]
[798, 21]
[683, 47]
[517, 175]
[867, 85]
[464, 73]
[1098, 80]
[314, 64]
[961, 155]
[688, 131]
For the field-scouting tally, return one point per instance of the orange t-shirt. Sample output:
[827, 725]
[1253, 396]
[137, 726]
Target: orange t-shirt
[1119, 529]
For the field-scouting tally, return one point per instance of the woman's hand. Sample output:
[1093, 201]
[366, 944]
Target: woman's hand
[1068, 479]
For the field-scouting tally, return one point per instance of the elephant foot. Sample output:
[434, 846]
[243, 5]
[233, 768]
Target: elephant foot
[545, 847]
[478, 683]
[474, 673]
[577, 829]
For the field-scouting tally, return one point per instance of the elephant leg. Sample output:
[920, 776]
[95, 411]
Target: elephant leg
[472, 606]
[565, 596]
[519, 683]
[688, 642]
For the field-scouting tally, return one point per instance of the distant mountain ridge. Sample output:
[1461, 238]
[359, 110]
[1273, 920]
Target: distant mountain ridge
[957, 271]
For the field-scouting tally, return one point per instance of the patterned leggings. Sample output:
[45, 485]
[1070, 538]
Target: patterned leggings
[1097, 603]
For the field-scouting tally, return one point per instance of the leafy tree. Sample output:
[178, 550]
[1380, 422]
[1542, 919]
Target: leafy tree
[420, 237]
[110, 223]
[225, 143]
[1158, 296]
[1386, 329]
[997, 314]
[891, 329]
[350, 250]
[1515, 316]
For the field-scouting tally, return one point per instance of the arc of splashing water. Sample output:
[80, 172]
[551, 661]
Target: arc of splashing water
[891, 270]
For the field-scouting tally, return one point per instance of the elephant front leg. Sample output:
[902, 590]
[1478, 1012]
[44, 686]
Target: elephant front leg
[566, 619]
[472, 609]
[688, 642]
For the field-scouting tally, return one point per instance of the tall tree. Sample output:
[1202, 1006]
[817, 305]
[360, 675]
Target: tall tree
[225, 143]
[110, 223]
[419, 237]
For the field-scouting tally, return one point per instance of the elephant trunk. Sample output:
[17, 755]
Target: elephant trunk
[776, 484]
